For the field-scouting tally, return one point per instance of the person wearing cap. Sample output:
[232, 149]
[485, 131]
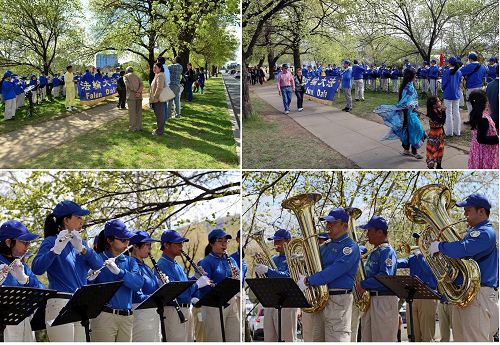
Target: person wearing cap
[407, 65]
[288, 315]
[9, 96]
[15, 240]
[381, 321]
[450, 84]
[115, 322]
[425, 76]
[385, 74]
[492, 66]
[424, 310]
[56, 86]
[146, 327]
[286, 85]
[340, 258]
[69, 89]
[171, 247]
[19, 89]
[492, 91]
[433, 75]
[394, 78]
[66, 258]
[43, 86]
[357, 75]
[478, 321]
[219, 266]
[346, 85]
[474, 74]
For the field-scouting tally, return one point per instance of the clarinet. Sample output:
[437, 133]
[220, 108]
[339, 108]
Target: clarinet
[234, 271]
[195, 267]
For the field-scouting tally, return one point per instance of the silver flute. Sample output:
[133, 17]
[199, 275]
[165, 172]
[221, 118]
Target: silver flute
[93, 274]
[5, 272]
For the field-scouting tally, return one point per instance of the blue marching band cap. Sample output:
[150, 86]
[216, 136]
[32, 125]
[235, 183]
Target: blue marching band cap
[472, 56]
[355, 61]
[477, 200]
[346, 62]
[142, 236]
[118, 229]
[218, 233]
[416, 235]
[172, 236]
[69, 208]
[14, 229]
[377, 222]
[452, 60]
[336, 214]
[281, 234]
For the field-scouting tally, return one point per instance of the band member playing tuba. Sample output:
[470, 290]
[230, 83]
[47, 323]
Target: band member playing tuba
[340, 259]
[478, 321]
[288, 315]
[424, 310]
[380, 322]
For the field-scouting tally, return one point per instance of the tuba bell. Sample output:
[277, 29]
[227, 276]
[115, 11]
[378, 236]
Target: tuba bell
[429, 206]
[264, 257]
[302, 254]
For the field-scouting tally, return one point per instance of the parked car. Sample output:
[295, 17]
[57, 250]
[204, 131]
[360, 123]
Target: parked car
[256, 324]
[237, 75]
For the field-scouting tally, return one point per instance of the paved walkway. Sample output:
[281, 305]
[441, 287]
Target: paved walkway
[355, 138]
[32, 140]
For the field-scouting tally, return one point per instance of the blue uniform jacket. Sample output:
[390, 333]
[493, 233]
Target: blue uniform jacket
[381, 261]
[480, 245]
[18, 88]
[433, 72]
[347, 78]
[475, 79]
[8, 91]
[491, 74]
[11, 281]
[217, 269]
[419, 268]
[451, 84]
[281, 265]
[243, 268]
[424, 72]
[339, 259]
[129, 273]
[55, 82]
[384, 73]
[357, 72]
[394, 74]
[150, 282]
[66, 272]
[175, 272]
[43, 80]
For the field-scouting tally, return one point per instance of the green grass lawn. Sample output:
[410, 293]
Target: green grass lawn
[202, 138]
[274, 140]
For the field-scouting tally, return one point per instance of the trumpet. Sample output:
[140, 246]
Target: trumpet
[93, 274]
[5, 272]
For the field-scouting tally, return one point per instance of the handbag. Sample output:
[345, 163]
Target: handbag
[166, 94]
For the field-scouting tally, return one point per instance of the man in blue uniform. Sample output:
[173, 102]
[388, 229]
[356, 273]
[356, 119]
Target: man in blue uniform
[424, 310]
[9, 96]
[385, 74]
[474, 74]
[375, 76]
[357, 75]
[394, 78]
[43, 86]
[478, 321]
[433, 75]
[492, 65]
[381, 321]
[288, 315]
[339, 259]
[424, 73]
[347, 85]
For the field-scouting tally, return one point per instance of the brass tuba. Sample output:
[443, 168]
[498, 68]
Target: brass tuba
[362, 301]
[429, 205]
[264, 257]
[302, 254]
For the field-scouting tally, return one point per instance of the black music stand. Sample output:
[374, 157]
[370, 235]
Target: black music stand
[87, 302]
[162, 297]
[17, 303]
[219, 296]
[409, 288]
[278, 293]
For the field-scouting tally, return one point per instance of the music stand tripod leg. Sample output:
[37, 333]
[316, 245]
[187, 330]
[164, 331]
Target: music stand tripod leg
[409, 300]
[2, 333]
[86, 324]
[279, 325]
[223, 332]
[160, 312]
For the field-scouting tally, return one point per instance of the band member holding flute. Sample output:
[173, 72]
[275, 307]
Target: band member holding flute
[15, 240]
[66, 258]
[146, 321]
[115, 322]
[171, 246]
[218, 266]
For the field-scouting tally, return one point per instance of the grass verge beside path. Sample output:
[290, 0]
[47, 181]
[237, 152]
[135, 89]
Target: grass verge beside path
[272, 140]
[201, 138]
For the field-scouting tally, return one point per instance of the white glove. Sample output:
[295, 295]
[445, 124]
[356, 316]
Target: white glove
[111, 265]
[302, 282]
[260, 269]
[60, 242]
[203, 281]
[18, 272]
[3, 270]
[433, 248]
[194, 300]
[76, 241]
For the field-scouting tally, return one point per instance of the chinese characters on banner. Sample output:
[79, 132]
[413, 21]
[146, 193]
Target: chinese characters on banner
[93, 90]
[321, 89]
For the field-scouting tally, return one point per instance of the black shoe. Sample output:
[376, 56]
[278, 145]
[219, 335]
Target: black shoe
[345, 109]
[357, 100]
[466, 122]
[349, 110]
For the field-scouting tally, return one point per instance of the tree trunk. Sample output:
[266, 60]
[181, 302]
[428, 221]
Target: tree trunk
[271, 62]
[247, 107]
[261, 61]
[214, 70]
[296, 56]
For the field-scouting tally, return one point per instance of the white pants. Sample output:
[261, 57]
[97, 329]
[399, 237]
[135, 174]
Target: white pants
[111, 328]
[44, 92]
[20, 333]
[467, 94]
[146, 326]
[444, 315]
[333, 324]
[385, 84]
[307, 326]
[359, 88]
[453, 122]
[20, 101]
[69, 332]
[355, 318]
[174, 329]
[425, 85]
[394, 85]
[462, 98]
[424, 319]
[374, 84]
[55, 91]
[433, 87]
[381, 321]
[288, 324]
[479, 320]
[211, 323]
[197, 325]
[10, 109]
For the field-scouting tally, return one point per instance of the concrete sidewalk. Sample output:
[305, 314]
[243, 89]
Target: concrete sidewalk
[32, 140]
[355, 138]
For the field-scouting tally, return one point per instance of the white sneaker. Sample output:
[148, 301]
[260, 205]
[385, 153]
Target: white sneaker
[300, 109]
[68, 109]
[286, 112]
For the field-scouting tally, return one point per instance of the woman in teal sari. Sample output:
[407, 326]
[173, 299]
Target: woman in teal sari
[402, 118]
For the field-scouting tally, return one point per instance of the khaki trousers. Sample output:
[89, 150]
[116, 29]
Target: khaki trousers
[134, 114]
[355, 319]
[333, 324]
[20, 333]
[174, 329]
[146, 326]
[288, 324]
[10, 109]
[359, 88]
[70, 332]
[307, 326]
[479, 320]
[197, 326]
[211, 323]
[424, 324]
[381, 321]
[111, 328]
[444, 315]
